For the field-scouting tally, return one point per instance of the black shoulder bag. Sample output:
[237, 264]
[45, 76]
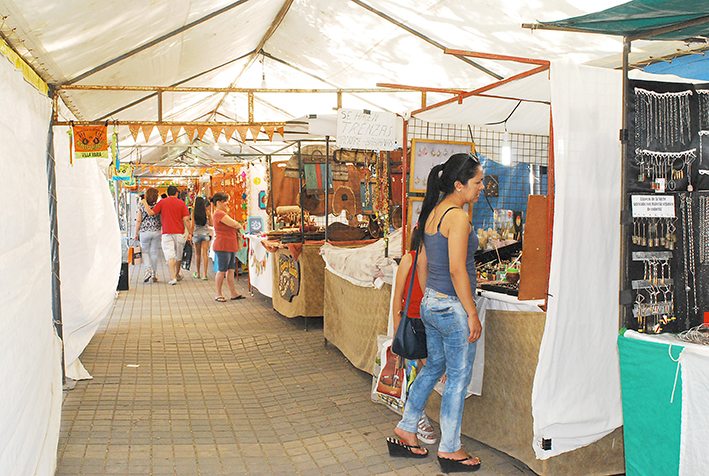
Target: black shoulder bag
[410, 338]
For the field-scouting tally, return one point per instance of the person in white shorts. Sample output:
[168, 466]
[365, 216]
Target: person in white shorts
[175, 220]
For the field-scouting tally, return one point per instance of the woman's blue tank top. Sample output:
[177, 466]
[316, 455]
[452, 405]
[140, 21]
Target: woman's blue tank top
[439, 274]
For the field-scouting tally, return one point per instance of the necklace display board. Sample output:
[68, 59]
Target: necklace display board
[666, 207]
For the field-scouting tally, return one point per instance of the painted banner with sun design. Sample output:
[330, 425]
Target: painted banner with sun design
[90, 142]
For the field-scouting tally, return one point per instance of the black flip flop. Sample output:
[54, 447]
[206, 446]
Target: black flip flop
[220, 299]
[238, 297]
[398, 448]
[449, 465]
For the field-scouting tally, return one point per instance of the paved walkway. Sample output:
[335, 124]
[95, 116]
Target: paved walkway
[184, 385]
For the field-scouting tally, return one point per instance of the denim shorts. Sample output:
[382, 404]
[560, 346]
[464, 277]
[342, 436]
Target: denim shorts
[200, 238]
[226, 260]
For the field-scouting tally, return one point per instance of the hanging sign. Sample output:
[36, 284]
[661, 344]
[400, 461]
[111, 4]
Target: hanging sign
[124, 172]
[288, 277]
[366, 130]
[90, 142]
[662, 206]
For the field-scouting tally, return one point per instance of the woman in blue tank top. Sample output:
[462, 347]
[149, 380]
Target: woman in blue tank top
[447, 267]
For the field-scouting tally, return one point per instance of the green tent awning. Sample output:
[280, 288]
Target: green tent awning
[642, 19]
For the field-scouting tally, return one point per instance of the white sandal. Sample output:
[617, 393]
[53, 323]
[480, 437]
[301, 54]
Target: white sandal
[425, 431]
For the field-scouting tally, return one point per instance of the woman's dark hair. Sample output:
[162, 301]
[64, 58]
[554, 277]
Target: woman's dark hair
[441, 181]
[200, 211]
[220, 197]
[151, 196]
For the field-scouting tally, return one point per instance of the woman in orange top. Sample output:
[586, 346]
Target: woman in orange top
[226, 244]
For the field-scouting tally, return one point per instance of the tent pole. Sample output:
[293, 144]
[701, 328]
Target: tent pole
[624, 158]
[269, 161]
[327, 182]
[54, 244]
[300, 187]
[404, 185]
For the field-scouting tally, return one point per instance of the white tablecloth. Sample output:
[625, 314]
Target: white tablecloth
[260, 265]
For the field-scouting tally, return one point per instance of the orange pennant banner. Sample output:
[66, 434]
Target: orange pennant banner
[163, 130]
[200, 131]
[281, 131]
[229, 131]
[255, 131]
[147, 130]
[134, 131]
[175, 131]
[191, 131]
[241, 130]
[216, 132]
[269, 131]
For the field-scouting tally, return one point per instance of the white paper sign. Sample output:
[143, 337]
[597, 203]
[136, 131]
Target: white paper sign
[367, 130]
[653, 206]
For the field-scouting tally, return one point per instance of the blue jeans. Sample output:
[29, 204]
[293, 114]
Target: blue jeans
[450, 353]
[150, 246]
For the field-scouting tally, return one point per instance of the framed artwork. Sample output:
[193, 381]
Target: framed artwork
[427, 153]
[255, 225]
[414, 210]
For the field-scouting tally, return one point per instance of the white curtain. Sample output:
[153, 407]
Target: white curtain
[31, 390]
[89, 250]
[576, 394]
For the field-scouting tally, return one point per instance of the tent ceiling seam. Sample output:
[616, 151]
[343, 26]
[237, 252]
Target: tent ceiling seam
[259, 49]
[174, 85]
[425, 38]
[154, 42]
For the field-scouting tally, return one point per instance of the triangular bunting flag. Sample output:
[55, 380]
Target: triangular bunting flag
[229, 131]
[147, 130]
[269, 131]
[281, 130]
[191, 131]
[175, 131]
[216, 132]
[152, 169]
[163, 130]
[200, 131]
[255, 131]
[134, 131]
[242, 132]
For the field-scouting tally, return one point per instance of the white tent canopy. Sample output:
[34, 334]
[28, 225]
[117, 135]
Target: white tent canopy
[340, 50]
[296, 44]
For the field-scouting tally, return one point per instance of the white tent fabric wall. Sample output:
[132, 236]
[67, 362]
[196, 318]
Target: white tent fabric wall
[89, 250]
[576, 394]
[30, 350]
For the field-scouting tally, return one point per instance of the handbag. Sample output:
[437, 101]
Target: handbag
[187, 255]
[410, 338]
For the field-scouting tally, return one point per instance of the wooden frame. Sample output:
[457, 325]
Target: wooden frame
[427, 153]
[413, 209]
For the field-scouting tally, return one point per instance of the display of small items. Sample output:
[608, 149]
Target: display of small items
[668, 253]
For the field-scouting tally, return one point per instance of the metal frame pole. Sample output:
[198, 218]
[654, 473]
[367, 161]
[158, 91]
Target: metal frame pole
[54, 240]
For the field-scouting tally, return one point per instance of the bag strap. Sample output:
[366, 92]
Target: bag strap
[411, 286]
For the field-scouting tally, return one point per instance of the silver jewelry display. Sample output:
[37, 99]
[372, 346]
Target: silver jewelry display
[703, 229]
[703, 95]
[688, 246]
[664, 165]
[651, 312]
[662, 116]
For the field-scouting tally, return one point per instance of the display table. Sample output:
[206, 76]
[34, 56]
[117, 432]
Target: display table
[353, 318]
[260, 264]
[308, 301]
[502, 416]
[670, 377]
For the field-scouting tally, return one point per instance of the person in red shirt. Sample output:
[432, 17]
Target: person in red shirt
[226, 244]
[175, 220]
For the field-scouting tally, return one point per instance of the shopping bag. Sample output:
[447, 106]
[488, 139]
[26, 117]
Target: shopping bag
[187, 255]
[392, 377]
